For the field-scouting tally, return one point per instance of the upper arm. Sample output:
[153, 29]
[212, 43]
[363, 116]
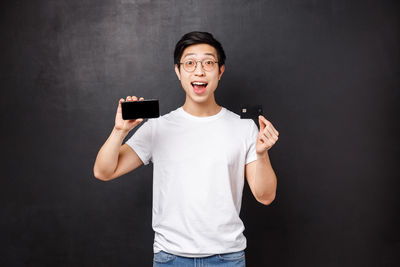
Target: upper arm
[128, 160]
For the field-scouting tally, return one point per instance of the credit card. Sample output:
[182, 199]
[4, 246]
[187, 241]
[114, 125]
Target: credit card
[251, 112]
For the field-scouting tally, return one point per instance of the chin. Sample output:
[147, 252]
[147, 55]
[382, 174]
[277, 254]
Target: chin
[199, 99]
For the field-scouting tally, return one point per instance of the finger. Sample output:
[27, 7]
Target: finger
[273, 138]
[273, 129]
[141, 99]
[128, 98]
[119, 109]
[265, 140]
[261, 123]
[263, 119]
[268, 141]
[136, 121]
[134, 98]
[268, 131]
[269, 125]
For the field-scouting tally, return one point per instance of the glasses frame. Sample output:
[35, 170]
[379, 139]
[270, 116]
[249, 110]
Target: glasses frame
[197, 61]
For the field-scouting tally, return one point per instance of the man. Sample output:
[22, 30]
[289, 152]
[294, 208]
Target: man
[201, 153]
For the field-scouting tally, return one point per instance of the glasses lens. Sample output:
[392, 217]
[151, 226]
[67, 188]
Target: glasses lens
[189, 65]
[208, 64]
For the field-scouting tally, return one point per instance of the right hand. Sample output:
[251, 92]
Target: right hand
[126, 125]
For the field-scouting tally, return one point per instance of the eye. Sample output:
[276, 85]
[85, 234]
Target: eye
[189, 63]
[209, 62]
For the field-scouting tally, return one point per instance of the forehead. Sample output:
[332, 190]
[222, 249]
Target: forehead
[199, 50]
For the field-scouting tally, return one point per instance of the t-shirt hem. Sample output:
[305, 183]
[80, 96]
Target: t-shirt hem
[198, 255]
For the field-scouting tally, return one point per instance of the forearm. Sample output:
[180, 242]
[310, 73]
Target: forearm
[107, 158]
[265, 181]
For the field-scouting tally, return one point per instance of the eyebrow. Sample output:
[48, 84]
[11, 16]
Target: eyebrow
[192, 54]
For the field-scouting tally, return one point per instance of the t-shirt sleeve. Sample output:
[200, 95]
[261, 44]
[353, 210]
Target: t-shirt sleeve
[141, 141]
[251, 154]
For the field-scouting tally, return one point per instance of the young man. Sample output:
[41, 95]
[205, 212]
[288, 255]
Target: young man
[201, 153]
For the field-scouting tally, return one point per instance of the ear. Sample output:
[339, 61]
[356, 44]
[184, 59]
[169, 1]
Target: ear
[221, 70]
[177, 71]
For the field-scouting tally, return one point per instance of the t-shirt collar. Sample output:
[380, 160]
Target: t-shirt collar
[187, 115]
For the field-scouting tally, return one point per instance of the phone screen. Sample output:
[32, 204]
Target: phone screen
[132, 110]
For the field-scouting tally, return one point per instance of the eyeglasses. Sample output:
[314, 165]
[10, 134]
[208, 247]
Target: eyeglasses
[207, 64]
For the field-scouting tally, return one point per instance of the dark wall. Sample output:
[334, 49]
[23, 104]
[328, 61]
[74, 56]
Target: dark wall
[326, 72]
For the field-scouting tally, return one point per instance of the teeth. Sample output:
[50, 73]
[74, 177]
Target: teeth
[198, 83]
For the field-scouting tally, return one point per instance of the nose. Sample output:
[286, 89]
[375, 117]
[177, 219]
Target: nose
[199, 71]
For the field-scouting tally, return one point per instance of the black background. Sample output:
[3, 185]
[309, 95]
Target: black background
[326, 73]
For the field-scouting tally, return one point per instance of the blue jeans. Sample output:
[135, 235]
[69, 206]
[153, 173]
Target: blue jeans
[163, 258]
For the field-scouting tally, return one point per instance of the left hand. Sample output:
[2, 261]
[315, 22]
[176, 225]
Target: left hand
[267, 136]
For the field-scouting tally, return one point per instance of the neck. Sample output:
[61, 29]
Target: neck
[202, 109]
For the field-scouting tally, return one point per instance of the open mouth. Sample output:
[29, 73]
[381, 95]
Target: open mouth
[199, 87]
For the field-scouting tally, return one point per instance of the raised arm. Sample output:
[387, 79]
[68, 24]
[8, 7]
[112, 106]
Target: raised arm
[115, 159]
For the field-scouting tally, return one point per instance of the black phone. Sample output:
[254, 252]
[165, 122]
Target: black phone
[148, 108]
[251, 112]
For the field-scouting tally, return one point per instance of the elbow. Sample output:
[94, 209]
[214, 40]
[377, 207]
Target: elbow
[100, 176]
[267, 200]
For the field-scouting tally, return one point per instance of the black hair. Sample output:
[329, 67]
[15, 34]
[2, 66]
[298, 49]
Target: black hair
[193, 38]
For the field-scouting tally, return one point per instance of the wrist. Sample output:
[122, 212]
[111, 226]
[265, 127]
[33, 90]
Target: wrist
[120, 132]
[263, 155]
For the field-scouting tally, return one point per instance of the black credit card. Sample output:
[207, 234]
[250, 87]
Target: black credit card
[251, 112]
[148, 108]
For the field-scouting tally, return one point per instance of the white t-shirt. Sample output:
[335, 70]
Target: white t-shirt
[198, 179]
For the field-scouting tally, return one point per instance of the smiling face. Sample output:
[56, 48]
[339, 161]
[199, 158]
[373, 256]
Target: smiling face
[199, 85]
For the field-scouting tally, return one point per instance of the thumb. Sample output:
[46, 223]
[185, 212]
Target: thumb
[261, 123]
[119, 109]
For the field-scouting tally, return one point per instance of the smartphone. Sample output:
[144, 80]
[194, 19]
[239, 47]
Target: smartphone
[251, 112]
[148, 108]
